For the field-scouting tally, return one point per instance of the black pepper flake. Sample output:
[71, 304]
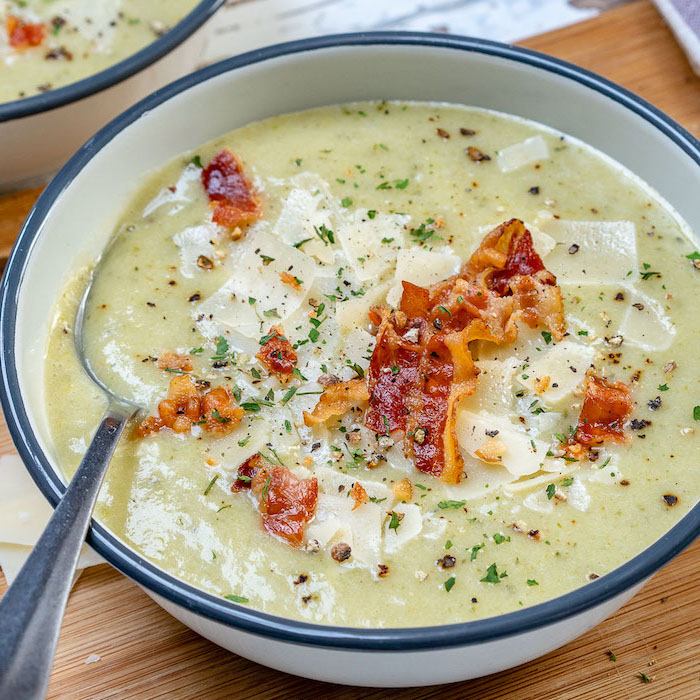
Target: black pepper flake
[195, 297]
[639, 424]
[467, 132]
[638, 306]
[474, 600]
[151, 304]
[205, 263]
[491, 433]
[447, 562]
[534, 190]
[302, 578]
[305, 599]
[218, 364]
[383, 570]
[574, 248]
[442, 133]
[624, 482]
[669, 499]
[654, 403]
[619, 296]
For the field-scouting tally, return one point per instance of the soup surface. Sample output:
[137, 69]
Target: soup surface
[46, 44]
[423, 364]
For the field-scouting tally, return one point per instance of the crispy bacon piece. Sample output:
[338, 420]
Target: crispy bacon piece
[277, 354]
[506, 263]
[393, 370]
[247, 471]
[359, 495]
[447, 375]
[220, 411]
[23, 35]
[336, 400]
[184, 406]
[231, 192]
[287, 504]
[421, 367]
[171, 360]
[606, 407]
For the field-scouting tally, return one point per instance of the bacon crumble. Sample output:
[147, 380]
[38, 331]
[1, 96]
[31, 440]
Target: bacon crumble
[23, 35]
[277, 354]
[230, 191]
[185, 406]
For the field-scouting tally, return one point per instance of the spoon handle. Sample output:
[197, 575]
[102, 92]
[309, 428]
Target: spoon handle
[32, 609]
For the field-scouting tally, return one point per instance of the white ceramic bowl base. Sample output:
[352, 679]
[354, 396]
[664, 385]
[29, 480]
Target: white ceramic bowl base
[87, 197]
[402, 669]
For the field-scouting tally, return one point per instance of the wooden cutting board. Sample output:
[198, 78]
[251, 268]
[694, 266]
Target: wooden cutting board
[145, 653]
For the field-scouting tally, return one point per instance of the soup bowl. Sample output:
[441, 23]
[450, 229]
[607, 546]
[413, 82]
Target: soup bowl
[39, 133]
[75, 215]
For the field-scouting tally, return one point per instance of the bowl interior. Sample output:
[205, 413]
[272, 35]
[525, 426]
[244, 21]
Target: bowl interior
[75, 216]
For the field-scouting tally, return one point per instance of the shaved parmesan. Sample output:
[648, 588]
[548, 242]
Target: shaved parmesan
[646, 324]
[494, 393]
[177, 196]
[592, 251]
[515, 451]
[421, 267]
[24, 513]
[262, 259]
[410, 526]
[520, 154]
[308, 208]
[479, 479]
[330, 481]
[352, 313]
[554, 374]
[359, 345]
[371, 244]
[336, 521]
[193, 242]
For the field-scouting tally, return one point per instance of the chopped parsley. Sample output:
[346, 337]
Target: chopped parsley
[532, 582]
[475, 551]
[498, 538]
[211, 483]
[236, 598]
[547, 337]
[394, 522]
[550, 491]
[449, 583]
[288, 395]
[663, 387]
[568, 482]
[423, 233]
[197, 161]
[222, 348]
[251, 406]
[492, 575]
[445, 505]
[346, 202]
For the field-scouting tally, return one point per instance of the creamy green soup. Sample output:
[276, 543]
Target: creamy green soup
[356, 199]
[48, 44]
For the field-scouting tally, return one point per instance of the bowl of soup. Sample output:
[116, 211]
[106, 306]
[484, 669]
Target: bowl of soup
[410, 319]
[69, 67]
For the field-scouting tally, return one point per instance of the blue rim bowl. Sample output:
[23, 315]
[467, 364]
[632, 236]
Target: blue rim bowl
[122, 70]
[187, 596]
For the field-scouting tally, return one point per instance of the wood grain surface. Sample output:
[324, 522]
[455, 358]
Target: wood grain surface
[145, 653]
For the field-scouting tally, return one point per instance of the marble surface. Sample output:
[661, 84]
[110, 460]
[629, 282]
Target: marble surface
[243, 25]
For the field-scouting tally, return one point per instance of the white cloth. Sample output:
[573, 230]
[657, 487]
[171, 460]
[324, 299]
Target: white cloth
[683, 16]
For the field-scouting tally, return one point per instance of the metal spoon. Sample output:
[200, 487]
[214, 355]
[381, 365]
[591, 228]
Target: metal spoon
[31, 611]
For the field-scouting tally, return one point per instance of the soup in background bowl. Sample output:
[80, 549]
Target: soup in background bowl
[70, 66]
[282, 497]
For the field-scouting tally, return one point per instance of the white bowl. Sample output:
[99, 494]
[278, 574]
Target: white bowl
[38, 134]
[73, 219]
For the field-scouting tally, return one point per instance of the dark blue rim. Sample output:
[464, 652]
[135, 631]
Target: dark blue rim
[240, 617]
[114, 74]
